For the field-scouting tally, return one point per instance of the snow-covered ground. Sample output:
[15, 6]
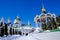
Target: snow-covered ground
[47, 36]
[10, 37]
[35, 36]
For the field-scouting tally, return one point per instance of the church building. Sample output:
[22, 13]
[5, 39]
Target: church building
[47, 20]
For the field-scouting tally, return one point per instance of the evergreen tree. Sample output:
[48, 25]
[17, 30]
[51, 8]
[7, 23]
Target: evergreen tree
[2, 32]
[6, 30]
[20, 32]
[54, 24]
[11, 32]
[58, 20]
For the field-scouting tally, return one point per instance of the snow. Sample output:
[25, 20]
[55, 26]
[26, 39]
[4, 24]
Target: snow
[10, 37]
[37, 30]
[59, 28]
[35, 36]
[47, 31]
[48, 36]
[25, 38]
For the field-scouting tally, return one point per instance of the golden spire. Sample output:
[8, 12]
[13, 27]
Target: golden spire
[43, 9]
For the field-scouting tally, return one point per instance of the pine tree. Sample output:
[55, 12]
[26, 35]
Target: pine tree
[11, 31]
[6, 30]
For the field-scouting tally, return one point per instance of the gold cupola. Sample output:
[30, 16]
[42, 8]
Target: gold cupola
[43, 9]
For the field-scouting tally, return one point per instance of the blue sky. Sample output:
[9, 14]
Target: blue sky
[27, 9]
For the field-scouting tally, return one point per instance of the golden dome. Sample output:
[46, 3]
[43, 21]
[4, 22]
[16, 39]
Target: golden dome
[43, 9]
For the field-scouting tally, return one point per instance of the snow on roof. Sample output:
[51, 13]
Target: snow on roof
[27, 28]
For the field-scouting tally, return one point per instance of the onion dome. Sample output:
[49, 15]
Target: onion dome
[17, 20]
